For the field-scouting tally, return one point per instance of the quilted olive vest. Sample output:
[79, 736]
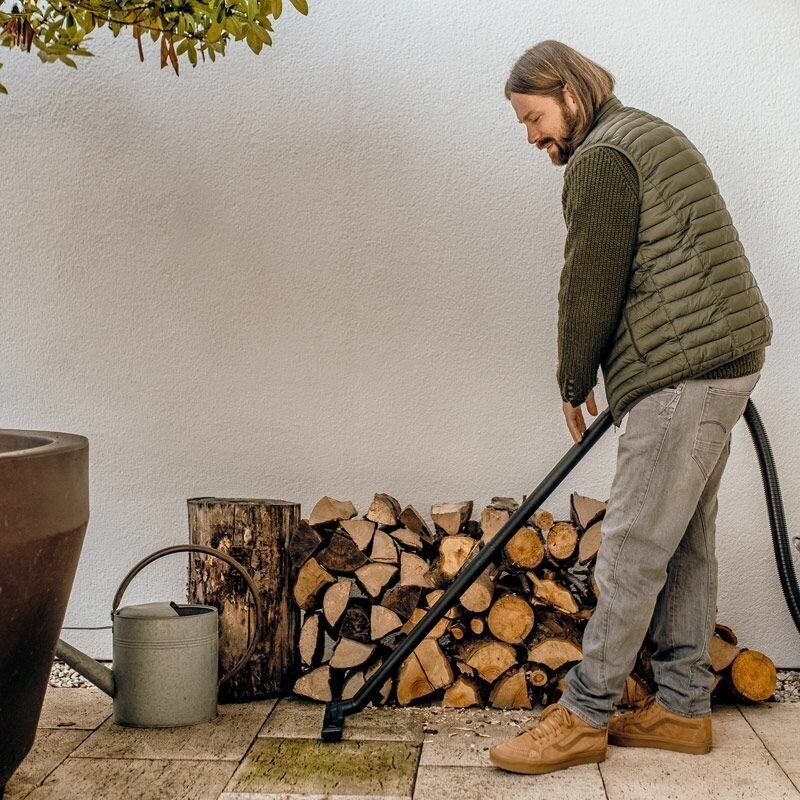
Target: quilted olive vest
[692, 302]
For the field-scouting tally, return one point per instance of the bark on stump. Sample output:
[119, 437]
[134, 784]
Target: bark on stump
[256, 533]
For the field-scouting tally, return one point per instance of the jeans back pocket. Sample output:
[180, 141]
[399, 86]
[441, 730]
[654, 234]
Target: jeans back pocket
[722, 409]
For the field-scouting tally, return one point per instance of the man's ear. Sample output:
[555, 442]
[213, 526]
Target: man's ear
[569, 98]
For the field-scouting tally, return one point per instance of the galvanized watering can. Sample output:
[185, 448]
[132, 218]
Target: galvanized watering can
[165, 655]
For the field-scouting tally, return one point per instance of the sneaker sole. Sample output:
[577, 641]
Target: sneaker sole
[538, 767]
[641, 740]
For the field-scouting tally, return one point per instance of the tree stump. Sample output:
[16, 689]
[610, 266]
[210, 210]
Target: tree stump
[256, 533]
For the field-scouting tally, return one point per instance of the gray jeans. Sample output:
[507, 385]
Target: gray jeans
[656, 569]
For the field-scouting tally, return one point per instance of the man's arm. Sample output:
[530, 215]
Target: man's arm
[601, 210]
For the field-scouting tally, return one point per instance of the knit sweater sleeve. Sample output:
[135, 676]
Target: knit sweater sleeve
[601, 210]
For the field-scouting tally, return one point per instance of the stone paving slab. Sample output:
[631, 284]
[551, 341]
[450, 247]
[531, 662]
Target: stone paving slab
[738, 768]
[778, 727]
[226, 737]
[79, 709]
[468, 783]
[294, 796]
[277, 767]
[462, 737]
[50, 748]
[299, 718]
[135, 779]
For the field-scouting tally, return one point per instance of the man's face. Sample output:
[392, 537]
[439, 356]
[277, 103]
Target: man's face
[550, 122]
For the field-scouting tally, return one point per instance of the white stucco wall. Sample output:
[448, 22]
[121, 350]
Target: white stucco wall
[333, 268]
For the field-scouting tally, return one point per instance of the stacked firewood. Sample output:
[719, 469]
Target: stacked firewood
[363, 583]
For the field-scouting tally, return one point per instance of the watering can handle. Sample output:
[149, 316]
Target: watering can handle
[201, 548]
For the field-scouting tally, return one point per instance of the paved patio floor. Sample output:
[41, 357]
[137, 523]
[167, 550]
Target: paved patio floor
[271, 749]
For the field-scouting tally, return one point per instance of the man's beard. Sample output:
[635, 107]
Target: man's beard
[563, 152]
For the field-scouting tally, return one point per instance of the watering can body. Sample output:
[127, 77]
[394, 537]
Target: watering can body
[165, 655]
[165, 664]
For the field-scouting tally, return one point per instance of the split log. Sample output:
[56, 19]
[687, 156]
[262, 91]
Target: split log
[350, 653]
[753, 676]
[555, 652]
[551, 593]
[407, 537]
[562, 539]
[383, 621]
[312, 641]
[492, 520]
[721, 653]
[462, 693]
[315, 684]
[505, 503]
[525, 548]
[542, 519]
[511, 691]
[354, 681]
[538, 675]
[309, 583]
[375, 577]
[304, 542]
[511, 619]
[414, 571]
[424, 671]
[341, 555]
[589, 544]
[726, 633]
[412, 519]
[384, 549]
[356, 621]
[384, 510]
[432, 597]
[585, 511]
[334, 601]
[478, 597]
[488, 657]
[402, 600]
[552, 623]
[439, 629]
[454, 552]
[328, 510]
[449, 517]
[360, 531]
[457, 631]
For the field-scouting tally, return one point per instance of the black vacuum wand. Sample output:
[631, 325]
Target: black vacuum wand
[336, 710]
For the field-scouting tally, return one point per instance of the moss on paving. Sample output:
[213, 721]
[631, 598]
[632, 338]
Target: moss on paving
[313, 766]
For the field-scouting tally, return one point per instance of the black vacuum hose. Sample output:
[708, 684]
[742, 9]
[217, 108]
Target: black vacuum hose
[777, 518]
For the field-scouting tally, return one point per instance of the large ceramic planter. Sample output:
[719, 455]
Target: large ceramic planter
[44, 510]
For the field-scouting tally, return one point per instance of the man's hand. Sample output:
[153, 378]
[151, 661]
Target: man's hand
[574, 416]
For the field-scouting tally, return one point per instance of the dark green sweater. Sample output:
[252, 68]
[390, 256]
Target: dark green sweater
[601, 210]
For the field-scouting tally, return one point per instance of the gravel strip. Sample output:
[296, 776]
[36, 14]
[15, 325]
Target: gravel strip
[65, 677]
[787, 691]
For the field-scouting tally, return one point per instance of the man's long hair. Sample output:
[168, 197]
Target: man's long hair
[549, 66]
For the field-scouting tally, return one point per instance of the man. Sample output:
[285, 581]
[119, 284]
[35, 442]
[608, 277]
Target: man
[657, 291]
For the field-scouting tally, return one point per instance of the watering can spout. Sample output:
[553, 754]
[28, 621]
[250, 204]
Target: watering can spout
[100, 676]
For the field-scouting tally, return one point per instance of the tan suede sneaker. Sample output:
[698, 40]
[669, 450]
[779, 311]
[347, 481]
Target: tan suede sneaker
[560, 739]
[652, 725]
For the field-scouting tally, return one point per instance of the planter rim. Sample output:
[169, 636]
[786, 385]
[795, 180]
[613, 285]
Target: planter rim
[34, 443]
